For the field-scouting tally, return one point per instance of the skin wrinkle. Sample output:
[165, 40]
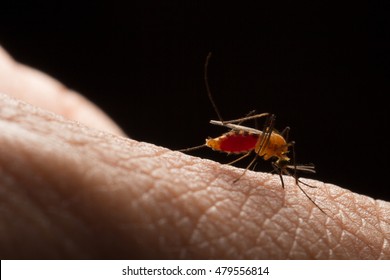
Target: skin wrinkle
[346, 238]
[385, 228]
[331, 238]
[172, 240]
[272, 248]
[238, 213]
[317, 229]
[362, 232]
[301, 227]
[381, 241]
[236, 247]
[248, 218]
[200, 224]
[269, 220]
[319, 242]
[253, 235]
[382, 254]
[192, 213]
[267, 246]
[287, 228]
[296, 235]
[297, 251]
[372, 216]
[224, 224]
[174, 198]
[301, 224]
[347, 233]
[332, 245]
[359, 226]
[233, 210]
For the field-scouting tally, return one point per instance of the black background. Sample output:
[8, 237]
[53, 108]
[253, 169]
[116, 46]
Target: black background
[322, 69]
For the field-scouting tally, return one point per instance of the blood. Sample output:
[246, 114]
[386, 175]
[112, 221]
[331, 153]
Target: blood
[234, 142]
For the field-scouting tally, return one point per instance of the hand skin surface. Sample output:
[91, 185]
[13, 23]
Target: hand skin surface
[69, 191]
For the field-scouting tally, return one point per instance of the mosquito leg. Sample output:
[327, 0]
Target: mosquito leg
[240, 158]
[192, 148]
[280, 173]
[251, 113]
[297, 181]
[311, 198]
[306, 184]
[246, 169]
[295, 167]
[268, 129]
[281, 179]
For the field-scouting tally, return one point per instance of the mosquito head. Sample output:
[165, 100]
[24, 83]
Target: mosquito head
[282, 163]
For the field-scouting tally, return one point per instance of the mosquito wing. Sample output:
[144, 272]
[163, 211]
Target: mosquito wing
[237, 127]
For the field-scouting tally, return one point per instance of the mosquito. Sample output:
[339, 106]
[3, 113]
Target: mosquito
[267, 143]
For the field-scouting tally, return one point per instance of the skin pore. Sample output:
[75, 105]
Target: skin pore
[72, 186]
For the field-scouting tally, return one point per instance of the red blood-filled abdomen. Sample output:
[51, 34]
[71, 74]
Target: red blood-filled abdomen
[234, 142]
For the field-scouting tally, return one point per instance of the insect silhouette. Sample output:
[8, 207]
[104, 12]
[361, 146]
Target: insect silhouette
[267, 144]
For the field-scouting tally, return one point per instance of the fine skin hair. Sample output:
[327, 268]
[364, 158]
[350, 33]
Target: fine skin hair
[72, 186]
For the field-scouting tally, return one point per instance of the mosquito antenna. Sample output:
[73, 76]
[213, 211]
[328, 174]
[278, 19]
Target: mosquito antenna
[206, 80]
[285, 133]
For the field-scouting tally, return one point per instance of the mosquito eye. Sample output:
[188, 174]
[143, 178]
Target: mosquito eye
[282, 163]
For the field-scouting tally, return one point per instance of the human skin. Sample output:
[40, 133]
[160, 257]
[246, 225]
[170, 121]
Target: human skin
[72, 186]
